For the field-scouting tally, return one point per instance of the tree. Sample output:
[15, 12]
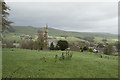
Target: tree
[23, 44]
[81, 48]
[92, 44]
[82, 43]
[90, 39]
[117, 44]
[100, 45]
[104, 40]
[85, 48]
[74, 46]
[52, 46]
[5, 23]
[30, 44]
[108, 49]
[27, 44]
[35, 45]
[56, 47]
[62, 44]
[9, 44]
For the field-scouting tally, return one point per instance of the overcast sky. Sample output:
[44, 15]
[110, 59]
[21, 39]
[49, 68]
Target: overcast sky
[77, 16]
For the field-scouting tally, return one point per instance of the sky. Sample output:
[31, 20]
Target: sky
[69, 16]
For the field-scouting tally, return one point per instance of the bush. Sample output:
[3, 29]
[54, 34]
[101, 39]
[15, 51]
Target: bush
[90, 50]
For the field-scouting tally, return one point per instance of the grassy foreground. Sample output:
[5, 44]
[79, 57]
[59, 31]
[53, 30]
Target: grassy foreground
[21, 63]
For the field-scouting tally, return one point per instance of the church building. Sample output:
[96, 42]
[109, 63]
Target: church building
[43, 39]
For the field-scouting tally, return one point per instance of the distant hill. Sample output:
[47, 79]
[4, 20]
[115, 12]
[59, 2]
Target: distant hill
[55, 32]
[16, 31]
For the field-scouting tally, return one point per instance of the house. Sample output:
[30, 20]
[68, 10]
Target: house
[94, 50]
[97, 49]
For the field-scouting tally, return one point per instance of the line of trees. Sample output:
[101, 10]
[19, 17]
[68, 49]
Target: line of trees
[34, 45]
[61, 45]
[7, 44]
[29, 44]
[108, 49]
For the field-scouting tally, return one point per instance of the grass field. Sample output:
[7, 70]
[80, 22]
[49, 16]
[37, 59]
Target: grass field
[110, 40]
[21, 63]
[70, 39]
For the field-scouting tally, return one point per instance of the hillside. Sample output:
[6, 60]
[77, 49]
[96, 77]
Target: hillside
[29, 30]
[55, 32]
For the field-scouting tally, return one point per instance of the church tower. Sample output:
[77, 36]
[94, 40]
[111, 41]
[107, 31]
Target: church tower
[47, 28]
[43, 39]
[40, 39]
[46, 38]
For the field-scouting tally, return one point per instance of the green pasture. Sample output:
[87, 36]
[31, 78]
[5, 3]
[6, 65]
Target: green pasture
[69, 39]
[22, 63]
[110, 40]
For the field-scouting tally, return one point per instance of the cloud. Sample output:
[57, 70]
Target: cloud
[77, 16]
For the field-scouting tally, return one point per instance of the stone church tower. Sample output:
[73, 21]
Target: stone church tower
[43, 39]
[46, 38]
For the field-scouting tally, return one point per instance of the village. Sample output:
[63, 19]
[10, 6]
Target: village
[45, 42]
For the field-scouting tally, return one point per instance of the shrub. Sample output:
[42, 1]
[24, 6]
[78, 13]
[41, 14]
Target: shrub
[90, 50]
